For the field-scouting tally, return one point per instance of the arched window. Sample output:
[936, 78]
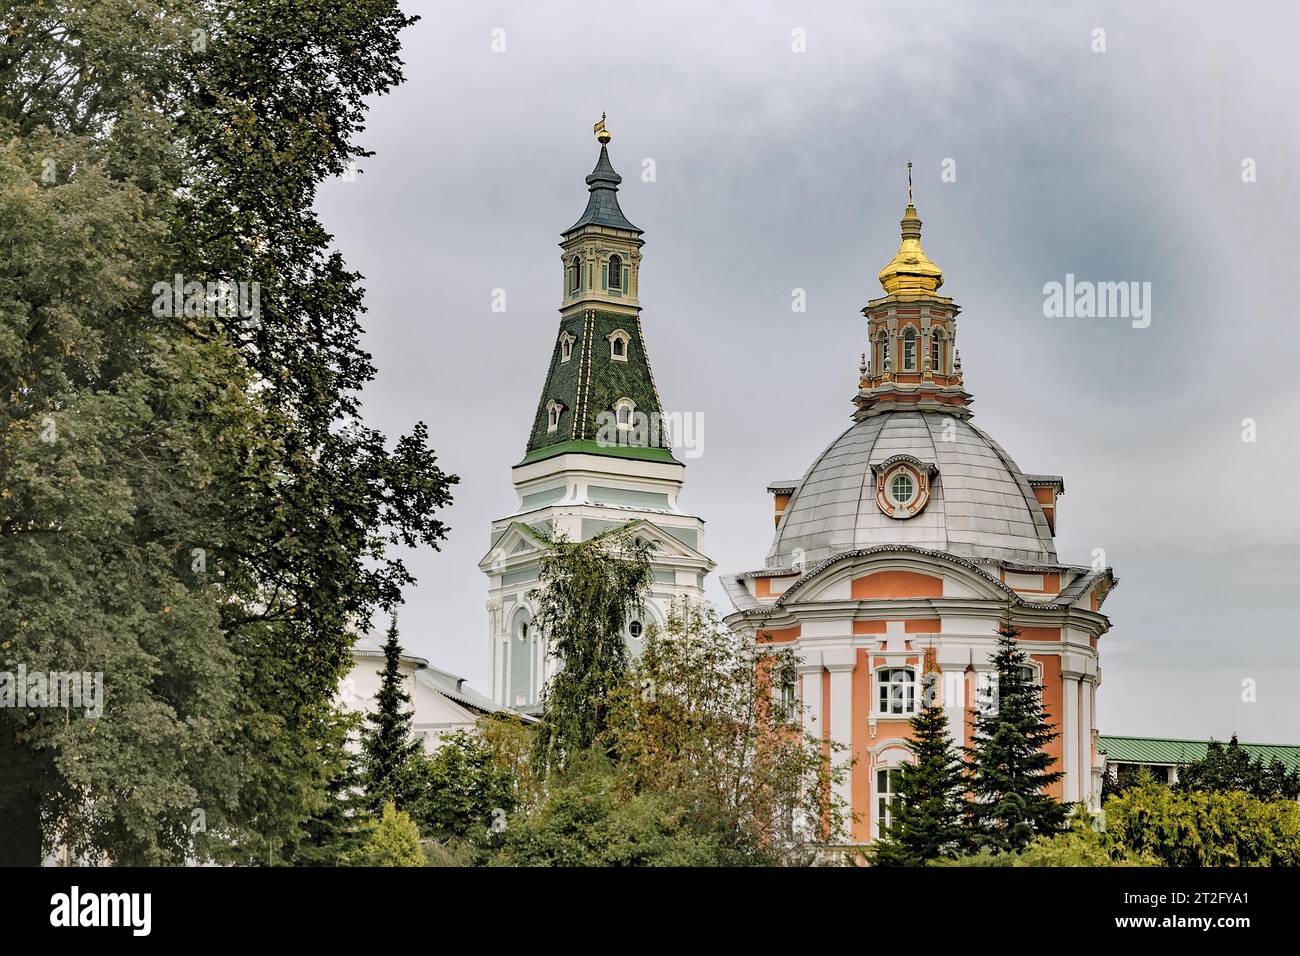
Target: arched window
[519, 691]
[882, 351]
[896, 690]
[615, 272]
[909, 350]
[936, 351]
[625, 410]
[553, 411]
[575, 274]
[618, 343]
[566, 347]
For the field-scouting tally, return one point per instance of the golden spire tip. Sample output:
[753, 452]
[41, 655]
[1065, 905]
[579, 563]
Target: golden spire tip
[602, 134]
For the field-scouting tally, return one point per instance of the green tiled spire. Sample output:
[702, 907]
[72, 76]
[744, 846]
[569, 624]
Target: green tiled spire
[590, 383]
[589, 377]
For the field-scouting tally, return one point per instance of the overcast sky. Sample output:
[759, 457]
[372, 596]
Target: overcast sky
[776, 170]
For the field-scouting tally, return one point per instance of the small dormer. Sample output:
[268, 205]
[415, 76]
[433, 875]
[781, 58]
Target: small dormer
[1047, 488]
[781, 491]
[619, 343]
[554, 410]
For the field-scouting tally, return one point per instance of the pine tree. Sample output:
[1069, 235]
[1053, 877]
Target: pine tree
[929, 802]
[388, 750]
[1230, 766]
[1008, 768]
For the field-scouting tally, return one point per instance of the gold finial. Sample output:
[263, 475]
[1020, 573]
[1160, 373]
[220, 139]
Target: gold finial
[602, 134]
[911, 271]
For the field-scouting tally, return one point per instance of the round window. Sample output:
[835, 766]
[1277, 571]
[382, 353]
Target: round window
[902, 488]
[635, 630]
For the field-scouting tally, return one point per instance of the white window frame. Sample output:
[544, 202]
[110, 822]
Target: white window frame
[909, 701]
[554, 410]
[883, 799]
[566, 347]
[625, 338]
[630, 405]
[911, 480]
[909, 338]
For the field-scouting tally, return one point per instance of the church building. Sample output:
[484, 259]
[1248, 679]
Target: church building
[598, 454]
[915, 532]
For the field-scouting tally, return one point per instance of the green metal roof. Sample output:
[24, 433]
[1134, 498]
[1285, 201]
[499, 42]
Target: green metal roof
[595, 448]
[588, 385]
[602, 200]
[1171, 750]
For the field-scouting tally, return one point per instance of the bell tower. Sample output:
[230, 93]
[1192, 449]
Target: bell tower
[912, 333]
[601, 252]
[599, 453]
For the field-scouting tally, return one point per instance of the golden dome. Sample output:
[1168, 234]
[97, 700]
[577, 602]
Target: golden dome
[911, 270]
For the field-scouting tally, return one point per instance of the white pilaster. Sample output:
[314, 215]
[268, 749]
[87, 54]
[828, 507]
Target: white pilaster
[1085, 742]
[840, 663]
[1070, 736]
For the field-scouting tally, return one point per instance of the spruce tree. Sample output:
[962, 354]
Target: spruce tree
[1008, 768]
[388, 750]
[929, 803]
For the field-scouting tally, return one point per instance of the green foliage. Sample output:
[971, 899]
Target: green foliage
[1231, 767]
[335, 831]
[1082, 844]
[1198, 828]
[392, 840]
[696, 724]
[1153, 825]
[464, 789]
[389, 754]
[1008, 767]
[587, 821]
[588, 592]
[929, 794]
[189, 503]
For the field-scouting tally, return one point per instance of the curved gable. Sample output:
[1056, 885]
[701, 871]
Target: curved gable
[896, 584]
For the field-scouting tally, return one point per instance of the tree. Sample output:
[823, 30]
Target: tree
[1204, 828]
[465, 791]
[1008, 768]
[709, 724]
[1231, 767]
[393, 840]
[336, 830]
[189, 501]
[927, 812]
[388, 751]
[587, 593]
[587, 821]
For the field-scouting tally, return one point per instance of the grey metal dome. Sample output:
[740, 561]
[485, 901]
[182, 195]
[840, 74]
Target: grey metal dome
[981, 505]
